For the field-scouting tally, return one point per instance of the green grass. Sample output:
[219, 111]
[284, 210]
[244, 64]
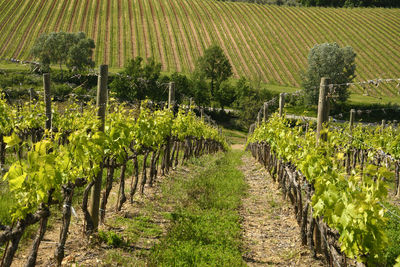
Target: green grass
[6, 202]
[136, 227]
[234, 136]
[267, 41]
[205, 226]
[362, 99]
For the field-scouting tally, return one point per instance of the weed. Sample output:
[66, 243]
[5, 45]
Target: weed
[111, 238]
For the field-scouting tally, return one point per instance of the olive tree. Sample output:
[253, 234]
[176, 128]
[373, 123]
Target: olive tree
[329, 60]
[71, 49]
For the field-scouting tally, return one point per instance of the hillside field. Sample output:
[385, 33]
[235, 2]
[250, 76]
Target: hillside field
[264, 42]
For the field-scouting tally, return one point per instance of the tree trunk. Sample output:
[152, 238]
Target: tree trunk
[152, 167]
[144, 172]
[42, 230]
[121, 193]
[106, 193]
[2, 151]
[135, 178]
[68, 192]
[88, 223]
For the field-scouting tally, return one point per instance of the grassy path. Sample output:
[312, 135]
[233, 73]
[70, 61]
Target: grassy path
[205, 228]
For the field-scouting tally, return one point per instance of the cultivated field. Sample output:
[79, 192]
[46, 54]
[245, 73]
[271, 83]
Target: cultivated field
[270, 43]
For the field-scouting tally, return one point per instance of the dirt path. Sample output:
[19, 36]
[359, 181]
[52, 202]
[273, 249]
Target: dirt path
[271, 235]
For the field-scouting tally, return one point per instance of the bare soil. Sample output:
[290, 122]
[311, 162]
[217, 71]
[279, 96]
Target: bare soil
[88, 251]
[271, 235]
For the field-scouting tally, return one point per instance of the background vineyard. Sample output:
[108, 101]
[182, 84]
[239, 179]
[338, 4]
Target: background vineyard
[264, 42]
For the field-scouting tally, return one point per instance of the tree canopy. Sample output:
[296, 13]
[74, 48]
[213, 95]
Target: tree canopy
[214, 65]
[71, 49]
[329, 60]
[139, 81]
[351, 3]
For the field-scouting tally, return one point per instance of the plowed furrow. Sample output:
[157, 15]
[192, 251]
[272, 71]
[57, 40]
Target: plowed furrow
[131, 28]
[221, 40]
[145, 31]
[258, 68]
[194, 31]
[187, 53]
[84, 16]
[71, 20]
[10, 14]
[249, 69]
[15, 28]
[47, 17]
[60, 16]
[106, 55]
[28, 30]
[171, 38]
[260, 49]
[204, 30]
[120, 36]
[265, 30]
[158, 36]
[95, 30]
[5, 6]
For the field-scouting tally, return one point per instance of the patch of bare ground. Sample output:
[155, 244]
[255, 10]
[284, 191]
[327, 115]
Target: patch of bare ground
[271, 235]
[238, 146]
[149, 209]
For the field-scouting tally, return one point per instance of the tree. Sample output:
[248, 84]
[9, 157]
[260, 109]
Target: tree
[225, 95]
[182, 86]
[200, 91]
[329, 60]
[72, 49]
[139, 81]
[80, 52]
[215, 66]
[248, 100]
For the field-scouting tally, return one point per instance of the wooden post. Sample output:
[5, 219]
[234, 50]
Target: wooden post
[352, 118]
[191, 103]
[265, 111]
[171, 95]
[47, 99]
[383, 124]
[171, 104]
[101, 114]
[281, 103]
[323, 112]
[259, 118]
[202, 113]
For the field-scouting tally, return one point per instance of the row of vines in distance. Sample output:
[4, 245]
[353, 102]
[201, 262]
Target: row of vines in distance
[261, 41]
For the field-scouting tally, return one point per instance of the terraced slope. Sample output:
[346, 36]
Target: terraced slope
[261, 41]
